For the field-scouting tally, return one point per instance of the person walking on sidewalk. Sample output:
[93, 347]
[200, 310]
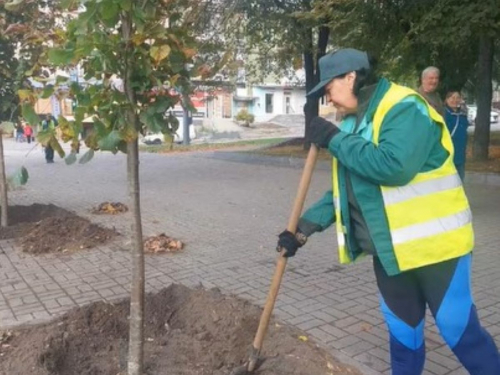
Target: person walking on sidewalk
[28, 132]
[397, 196]
[48, 124]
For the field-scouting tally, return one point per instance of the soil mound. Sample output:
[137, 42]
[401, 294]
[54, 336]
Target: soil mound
[47, 228]
[187, 332]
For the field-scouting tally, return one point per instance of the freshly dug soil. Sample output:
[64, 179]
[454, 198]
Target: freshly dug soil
[43, 228]
[188, 332]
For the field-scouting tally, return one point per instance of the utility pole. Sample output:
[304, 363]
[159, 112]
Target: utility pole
[185, 121]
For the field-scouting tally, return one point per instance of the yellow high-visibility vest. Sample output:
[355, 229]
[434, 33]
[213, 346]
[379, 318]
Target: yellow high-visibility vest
[429, 218]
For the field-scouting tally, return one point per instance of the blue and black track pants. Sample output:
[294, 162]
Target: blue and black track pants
[446, 288]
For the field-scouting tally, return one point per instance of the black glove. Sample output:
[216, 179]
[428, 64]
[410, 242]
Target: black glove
[322, 132]
[290, 242]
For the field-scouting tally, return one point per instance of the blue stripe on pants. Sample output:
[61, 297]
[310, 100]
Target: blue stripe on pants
[459, 325]
[453, 314]
[406, 343]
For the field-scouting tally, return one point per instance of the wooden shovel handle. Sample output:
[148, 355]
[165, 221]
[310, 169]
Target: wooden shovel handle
[298, 205]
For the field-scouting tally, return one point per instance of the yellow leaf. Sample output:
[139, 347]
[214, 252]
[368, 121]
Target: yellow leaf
[128, 134]
[57, 147]
[138, 39]
[25, 95]
[189, 52]
[174, 78]
[303, 338]
[159, 53]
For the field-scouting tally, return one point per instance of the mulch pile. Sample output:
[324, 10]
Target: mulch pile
[187, 332]
[43, 228]
[110, 208]
[162, 244]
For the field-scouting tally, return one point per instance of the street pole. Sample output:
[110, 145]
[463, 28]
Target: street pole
[185, 122]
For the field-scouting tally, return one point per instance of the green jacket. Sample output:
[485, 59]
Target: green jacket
[411, 145]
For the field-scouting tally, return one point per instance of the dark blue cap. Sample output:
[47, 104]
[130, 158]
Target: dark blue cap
[336, 63]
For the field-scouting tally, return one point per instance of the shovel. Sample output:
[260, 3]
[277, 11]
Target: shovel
[298, 205]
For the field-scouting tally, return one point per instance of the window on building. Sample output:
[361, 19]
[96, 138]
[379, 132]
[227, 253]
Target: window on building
[269, 103]
[288, 106]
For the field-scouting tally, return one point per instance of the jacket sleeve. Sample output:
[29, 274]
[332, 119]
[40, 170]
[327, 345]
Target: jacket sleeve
[319, 216]
[406, 139]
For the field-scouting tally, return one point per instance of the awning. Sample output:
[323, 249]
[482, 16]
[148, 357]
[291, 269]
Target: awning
[244, 98]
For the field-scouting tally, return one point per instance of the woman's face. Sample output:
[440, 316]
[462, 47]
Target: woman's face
[339, 92]
[454, 100]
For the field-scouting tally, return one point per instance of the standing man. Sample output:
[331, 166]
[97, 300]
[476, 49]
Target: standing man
[428, 88]
[397, 196]
[48, 124]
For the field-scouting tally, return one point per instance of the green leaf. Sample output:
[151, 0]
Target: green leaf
[109, 10]
[80, 114]
[19, 178]
[122, 146]
[47, 92]
[68, 4]
[87, 157]
[61, 56]
[29, 114]
[126, 5]
[110, 142]
[177, 61]
[70, 159]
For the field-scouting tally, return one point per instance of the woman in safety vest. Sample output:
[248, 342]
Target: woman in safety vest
[397, 196]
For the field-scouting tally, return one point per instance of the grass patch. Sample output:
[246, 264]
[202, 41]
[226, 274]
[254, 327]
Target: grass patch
[490, 166]
[200, 147]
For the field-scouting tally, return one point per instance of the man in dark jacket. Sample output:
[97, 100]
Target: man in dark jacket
[428, 88]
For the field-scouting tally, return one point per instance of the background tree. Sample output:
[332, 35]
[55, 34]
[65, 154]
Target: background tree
[407, 36]
[22, 26]
[273, 37]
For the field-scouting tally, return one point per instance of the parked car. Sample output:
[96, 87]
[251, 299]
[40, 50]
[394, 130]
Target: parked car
[472, 114]
[158, 138]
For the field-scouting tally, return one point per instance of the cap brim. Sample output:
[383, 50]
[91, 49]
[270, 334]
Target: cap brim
[319, 89]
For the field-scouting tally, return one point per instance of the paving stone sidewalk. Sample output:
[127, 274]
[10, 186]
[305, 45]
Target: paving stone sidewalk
[228, 213]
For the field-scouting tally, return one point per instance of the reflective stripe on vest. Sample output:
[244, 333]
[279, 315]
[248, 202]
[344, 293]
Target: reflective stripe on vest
[344, 255]
[417, 189]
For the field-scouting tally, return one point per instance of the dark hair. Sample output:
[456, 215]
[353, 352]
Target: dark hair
[364, 77]
[450, 92]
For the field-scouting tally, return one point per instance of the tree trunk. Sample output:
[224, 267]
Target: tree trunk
[3, 187]
[311, 107]
[483, 96]
[136, 331]
[311, 67]
[136, 338]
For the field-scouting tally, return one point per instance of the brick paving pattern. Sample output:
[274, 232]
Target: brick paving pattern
[228, 214]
